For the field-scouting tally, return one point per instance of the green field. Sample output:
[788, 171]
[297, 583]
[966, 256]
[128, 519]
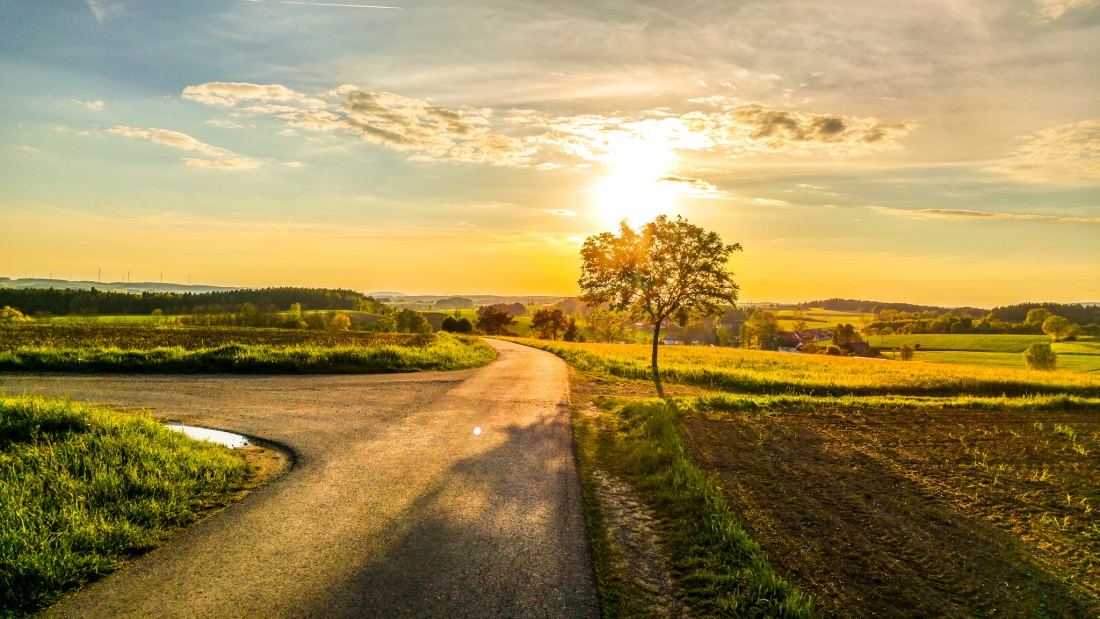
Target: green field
[89, 348]
[817, 318]
[82, 488]
[992, 350]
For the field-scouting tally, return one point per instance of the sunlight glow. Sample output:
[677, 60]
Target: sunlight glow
[633, 190]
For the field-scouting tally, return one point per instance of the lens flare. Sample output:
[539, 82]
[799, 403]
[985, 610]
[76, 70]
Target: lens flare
[477, 430]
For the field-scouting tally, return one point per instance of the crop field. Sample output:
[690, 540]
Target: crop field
[189, 338]
[973, 342]
[817, 318]
[242, 350]
[751, 371]
[992, 350]
[947, 493]
[82, 488]
[896, 511]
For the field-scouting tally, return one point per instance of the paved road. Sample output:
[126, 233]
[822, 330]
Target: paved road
[395, 508]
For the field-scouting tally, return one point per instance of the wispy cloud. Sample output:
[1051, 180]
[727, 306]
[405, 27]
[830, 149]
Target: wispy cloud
[216, 158]
[1068, 153]
[1050, 10]
[95, 106]
[560, 211]
[349, 6]
[97, 10]
[957, 214]
[770, 202]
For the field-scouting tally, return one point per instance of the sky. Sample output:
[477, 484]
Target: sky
[942, 151]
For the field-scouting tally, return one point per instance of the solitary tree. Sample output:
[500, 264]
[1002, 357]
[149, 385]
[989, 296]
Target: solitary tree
[1059, 328]
[666, 270]
[1039, 356]
[341, 322]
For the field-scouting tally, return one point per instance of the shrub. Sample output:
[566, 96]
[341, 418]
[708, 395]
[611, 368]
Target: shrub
[906, 352]
[834, 350]
[464, 325]
[1040, 357]
[341, 322]
[450, 325]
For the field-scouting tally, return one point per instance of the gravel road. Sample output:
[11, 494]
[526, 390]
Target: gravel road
[394, 508]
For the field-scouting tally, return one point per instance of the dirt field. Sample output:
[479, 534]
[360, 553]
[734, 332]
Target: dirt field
[918, 514]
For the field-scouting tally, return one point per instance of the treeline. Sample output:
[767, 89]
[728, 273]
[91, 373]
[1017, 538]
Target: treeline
[860, 305]
[60, 302]
[1077, 313]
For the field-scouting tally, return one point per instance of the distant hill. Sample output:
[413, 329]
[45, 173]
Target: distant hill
[478, 299]
[130, 287]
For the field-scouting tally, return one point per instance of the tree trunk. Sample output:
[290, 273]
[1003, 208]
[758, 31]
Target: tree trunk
[656, 373]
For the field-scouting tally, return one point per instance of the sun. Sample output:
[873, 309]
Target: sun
[633, 189]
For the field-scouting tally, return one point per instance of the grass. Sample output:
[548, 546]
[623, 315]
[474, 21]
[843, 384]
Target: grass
[719, 571]
[1068, 362]
[444, 352]
[969, 342]
[82, 488]
[750, 371]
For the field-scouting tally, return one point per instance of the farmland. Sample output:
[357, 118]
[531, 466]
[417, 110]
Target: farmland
[88, 348]
[992, 350]
[844, 487]
[752, 371]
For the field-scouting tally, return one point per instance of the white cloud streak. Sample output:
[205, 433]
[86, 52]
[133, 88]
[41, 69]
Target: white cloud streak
[1067, 153]
[216, 158]
[960, 214]
[347, 6]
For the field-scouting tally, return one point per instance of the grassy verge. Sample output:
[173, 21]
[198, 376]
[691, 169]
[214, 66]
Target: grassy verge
[760, 372]
[82, 488]
[443, 352]
[717, 569]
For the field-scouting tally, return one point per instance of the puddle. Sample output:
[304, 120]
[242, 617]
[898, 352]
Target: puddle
[230, 440]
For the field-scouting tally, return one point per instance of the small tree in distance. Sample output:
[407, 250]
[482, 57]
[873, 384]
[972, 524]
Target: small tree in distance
[666, 270]
[341, 322]
[1059, 328]
[494, 321]
[906, 352]
[1039, 356]
[548, 322]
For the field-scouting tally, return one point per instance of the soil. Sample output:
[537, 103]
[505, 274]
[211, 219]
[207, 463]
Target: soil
[916, 513]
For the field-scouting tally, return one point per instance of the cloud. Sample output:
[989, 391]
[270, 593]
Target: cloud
[28, 149]
[426, 131]
[216, 158]
[225, 124]
[957, 214]
[1050, 10]
[230, 94]
[696, 188]
[562, 212]
[1068, 153]
[809, 187]
[95, 106]
[97, 10]
[770, 202]
[421, 129]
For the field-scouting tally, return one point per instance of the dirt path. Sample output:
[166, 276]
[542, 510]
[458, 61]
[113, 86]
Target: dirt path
[394, 509]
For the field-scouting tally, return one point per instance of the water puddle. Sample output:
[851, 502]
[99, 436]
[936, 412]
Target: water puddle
[230, 440]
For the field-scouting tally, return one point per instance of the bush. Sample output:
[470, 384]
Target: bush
[834, 350]
[464, 325]
[450, 325]
[341, 322]
[1040, 357]
[906, 352]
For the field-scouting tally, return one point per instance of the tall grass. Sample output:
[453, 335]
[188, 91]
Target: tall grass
[753, 371]
[719, 570]
[444, 352]
[82, 488]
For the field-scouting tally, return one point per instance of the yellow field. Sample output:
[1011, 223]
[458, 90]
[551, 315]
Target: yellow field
[753, 371]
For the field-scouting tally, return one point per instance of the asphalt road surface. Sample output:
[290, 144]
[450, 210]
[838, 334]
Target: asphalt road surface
[394, 508]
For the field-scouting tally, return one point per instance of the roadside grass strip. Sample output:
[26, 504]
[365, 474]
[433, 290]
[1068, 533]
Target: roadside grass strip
[761, 372]
[717, 569]
[82, 488]
[442, 352]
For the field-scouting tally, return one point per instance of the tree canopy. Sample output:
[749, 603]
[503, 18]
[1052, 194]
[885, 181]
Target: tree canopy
[666, 270]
